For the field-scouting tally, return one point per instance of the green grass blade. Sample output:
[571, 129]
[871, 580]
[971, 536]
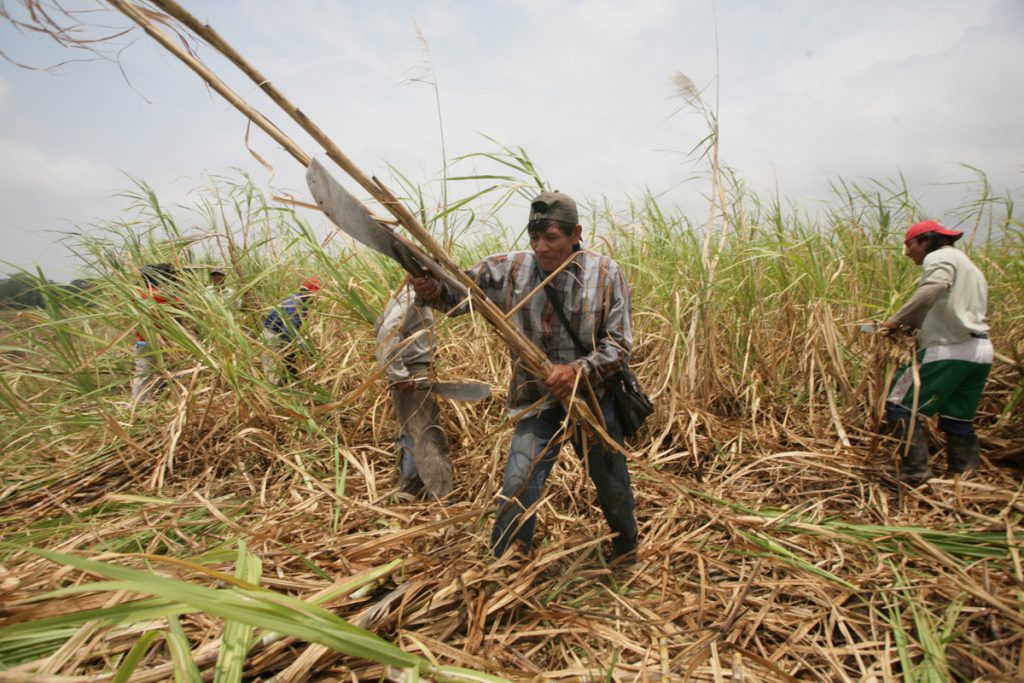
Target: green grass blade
[237, 637]
[134, 656]
[263, 609]
[185, 670]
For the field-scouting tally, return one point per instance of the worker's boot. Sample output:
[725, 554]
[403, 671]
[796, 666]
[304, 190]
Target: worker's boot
[409, 481]
[962, 453]
[428, 445]
[410, 485]
[914, 469]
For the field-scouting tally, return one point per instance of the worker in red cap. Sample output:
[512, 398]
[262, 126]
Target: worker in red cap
[159, 279]
[954, 353]
[281, 330]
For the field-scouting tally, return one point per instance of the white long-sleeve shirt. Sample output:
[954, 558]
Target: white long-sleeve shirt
[405, 336]
[951, 301]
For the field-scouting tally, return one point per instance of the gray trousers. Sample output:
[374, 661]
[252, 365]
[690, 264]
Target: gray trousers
[420, 421]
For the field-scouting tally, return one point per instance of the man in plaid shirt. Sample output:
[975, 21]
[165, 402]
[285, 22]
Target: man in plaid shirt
[596, 303]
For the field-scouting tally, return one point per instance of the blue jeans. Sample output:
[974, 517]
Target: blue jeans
[535, 447]
[407, 464]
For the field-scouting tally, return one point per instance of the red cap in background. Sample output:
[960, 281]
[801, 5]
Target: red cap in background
[924, 227]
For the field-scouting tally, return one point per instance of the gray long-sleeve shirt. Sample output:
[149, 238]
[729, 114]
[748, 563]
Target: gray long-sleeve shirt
[596, 301]
[405, 337]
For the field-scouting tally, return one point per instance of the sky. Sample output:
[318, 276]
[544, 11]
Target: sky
[805, 92]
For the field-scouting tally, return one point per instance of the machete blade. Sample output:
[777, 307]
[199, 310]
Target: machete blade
[349, 214]
[460, 391]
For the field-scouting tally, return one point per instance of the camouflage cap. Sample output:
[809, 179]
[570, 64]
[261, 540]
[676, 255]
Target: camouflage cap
[554, 206]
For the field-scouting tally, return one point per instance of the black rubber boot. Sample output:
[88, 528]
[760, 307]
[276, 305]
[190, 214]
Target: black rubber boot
[410, 485]
[962, 453]
[623, 553]
[914, 469]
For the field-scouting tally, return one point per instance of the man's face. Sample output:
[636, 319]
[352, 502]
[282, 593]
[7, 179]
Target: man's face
[916, 249]
[217, 279]
[552, 246]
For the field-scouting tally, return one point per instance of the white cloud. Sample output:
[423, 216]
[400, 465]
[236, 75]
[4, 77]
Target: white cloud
[5, 91]
[29, 170]
[915, 96]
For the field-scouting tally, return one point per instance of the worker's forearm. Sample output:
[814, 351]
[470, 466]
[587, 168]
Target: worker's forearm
[914, 311]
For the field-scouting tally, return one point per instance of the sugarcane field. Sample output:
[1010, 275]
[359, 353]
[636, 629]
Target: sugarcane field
[456, 419]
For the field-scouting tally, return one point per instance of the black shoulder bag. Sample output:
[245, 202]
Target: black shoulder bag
[631, 402]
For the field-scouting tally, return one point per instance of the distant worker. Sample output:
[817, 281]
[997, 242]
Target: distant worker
[954, 353]
[405, 347]
[281, 333]
[157, 278]
[218, 287]
[596, 302]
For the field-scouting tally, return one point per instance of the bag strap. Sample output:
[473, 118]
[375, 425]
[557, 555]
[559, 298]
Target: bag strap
[556, 303]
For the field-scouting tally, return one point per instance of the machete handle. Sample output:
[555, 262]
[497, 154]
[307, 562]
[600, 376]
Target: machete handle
[427, 266]
[409, 262]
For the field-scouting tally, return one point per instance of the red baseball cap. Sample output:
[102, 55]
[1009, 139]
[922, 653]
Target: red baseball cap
[924, 227]
[312, 284]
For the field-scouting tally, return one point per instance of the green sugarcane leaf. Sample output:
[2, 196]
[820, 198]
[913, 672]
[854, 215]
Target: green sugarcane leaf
[134, 611]
[778, 550]
[134, 656]
[238, 636]
[185, 670]
[260, 608]
[459, 674]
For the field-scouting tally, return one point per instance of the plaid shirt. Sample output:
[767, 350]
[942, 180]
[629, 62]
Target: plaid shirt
[596, 302]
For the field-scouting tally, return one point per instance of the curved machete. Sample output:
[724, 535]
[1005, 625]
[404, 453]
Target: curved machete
[458, 391]
[352, 218]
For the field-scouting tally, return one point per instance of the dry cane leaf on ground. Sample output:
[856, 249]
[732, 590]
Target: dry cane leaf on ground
[784, 555]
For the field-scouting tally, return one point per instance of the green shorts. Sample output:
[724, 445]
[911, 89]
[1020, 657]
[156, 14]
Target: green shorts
[952, 379]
